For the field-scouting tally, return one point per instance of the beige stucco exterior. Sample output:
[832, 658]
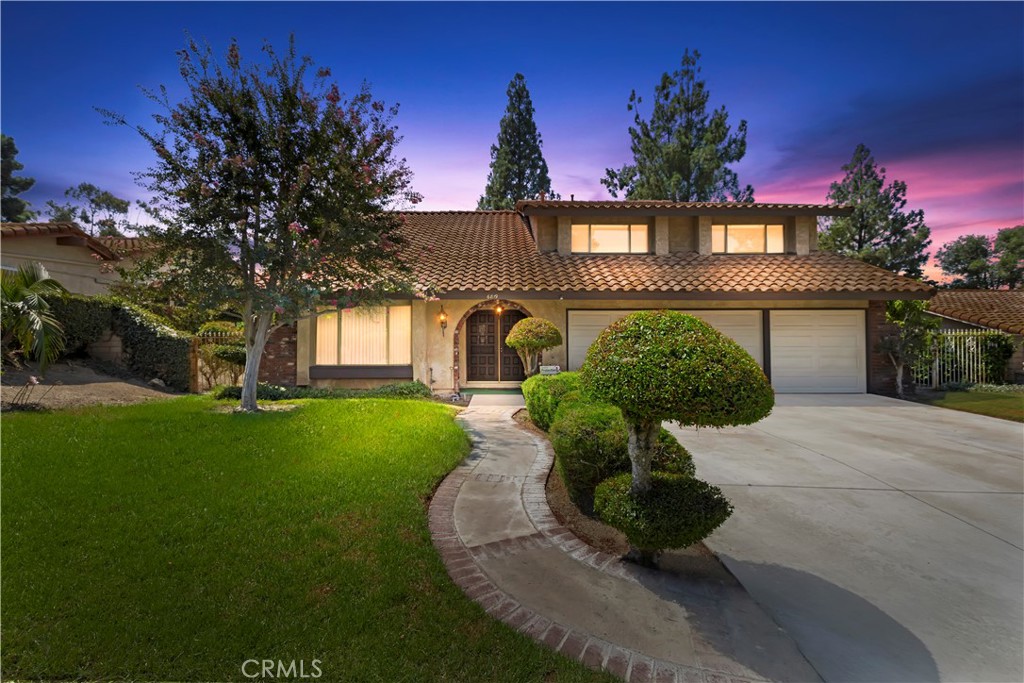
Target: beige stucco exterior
[74, 266]
[433, 350]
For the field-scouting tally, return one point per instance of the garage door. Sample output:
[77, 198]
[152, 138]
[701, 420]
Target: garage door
[817, 351]
[742, 326]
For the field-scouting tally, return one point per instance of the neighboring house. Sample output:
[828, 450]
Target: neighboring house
[82, 263]
[984, 309]
[752, 270]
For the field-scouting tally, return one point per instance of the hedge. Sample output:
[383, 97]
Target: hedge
[591, 444]
[151, 347]
[543, 393]
[271, 392]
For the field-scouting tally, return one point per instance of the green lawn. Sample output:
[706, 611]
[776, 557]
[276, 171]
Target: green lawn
[1006, 406]
[168, 541]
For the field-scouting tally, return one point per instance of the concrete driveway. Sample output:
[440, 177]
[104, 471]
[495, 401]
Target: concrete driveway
[886, 537]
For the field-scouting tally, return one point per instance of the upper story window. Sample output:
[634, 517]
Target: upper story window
[609, 239]
[747, 239]
[365, 336]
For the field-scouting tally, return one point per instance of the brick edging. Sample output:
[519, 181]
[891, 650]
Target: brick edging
[462, 566]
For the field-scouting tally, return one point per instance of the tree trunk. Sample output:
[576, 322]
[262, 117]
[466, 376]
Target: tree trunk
[257, 328]
[642, 437]
[899, 379]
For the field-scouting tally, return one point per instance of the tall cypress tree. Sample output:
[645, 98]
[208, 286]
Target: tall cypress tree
[518, 169]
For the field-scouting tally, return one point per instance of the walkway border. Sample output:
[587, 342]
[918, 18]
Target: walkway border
[461, 563]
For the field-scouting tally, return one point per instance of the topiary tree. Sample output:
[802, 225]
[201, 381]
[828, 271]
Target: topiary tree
[530, 337]
[666, 365]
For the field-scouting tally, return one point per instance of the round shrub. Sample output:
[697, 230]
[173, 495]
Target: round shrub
[589, 440]
[543, 393]
[530, 337]
[676, 512]
[671, 457]
[666, 365]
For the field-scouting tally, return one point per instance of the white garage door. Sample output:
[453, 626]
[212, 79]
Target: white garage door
[818, 351]
[742, 326]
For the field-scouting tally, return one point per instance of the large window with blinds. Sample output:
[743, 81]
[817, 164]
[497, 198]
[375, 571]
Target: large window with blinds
[365, 336]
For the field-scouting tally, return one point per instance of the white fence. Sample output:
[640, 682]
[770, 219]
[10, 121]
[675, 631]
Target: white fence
[958, 356]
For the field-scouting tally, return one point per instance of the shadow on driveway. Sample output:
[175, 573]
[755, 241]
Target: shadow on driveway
[862, 644]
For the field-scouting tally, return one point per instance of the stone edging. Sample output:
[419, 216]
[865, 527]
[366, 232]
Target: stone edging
[462, 566]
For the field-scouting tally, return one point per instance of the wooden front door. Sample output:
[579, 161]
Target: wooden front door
[490, 360]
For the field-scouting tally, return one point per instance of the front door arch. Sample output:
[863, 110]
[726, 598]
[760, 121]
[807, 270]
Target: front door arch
[485, 306]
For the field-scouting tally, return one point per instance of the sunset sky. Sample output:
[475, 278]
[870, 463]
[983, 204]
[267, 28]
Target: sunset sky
[935, 90]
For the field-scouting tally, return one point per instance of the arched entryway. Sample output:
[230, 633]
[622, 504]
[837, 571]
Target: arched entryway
[488, 359]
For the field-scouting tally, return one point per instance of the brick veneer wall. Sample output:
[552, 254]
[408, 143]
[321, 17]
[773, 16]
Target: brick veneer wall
[278, 363]
[881, 373]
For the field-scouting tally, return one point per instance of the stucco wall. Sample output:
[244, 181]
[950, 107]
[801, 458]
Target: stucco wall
[433, 355]
[75, 267]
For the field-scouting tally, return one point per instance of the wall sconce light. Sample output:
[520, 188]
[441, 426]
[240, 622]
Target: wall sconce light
[498, 309]
[443, 319]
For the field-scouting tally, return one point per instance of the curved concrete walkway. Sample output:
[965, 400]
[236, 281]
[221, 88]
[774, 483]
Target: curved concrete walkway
[500, 543]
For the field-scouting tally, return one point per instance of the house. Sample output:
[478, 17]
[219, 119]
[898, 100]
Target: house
[754, 271]
[984, 309]
[82, 263]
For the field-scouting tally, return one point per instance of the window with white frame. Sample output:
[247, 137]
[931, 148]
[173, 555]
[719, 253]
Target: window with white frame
[747, 239]
[593, 238]
[365, 336]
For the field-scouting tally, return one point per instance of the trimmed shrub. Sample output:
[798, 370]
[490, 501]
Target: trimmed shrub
[271, 392]
[543, 394]
[152, 348]
[666, 365]
[85, 319]
[677, 512]
[590, 441]
[530, 337]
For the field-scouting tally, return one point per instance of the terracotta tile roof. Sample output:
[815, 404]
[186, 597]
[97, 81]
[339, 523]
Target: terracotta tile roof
[57, 229]
[494, 251]
[997, 309]
[686, 208]
[126, 246]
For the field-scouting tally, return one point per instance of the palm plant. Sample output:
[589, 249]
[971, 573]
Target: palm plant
[26, 324]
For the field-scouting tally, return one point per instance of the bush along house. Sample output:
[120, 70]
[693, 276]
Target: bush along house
[811, 319]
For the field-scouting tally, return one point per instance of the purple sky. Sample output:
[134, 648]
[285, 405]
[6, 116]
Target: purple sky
[935, 90]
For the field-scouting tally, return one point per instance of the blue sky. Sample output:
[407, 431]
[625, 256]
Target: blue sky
[935, 90]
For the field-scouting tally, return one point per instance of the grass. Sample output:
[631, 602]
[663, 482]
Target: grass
[169, 541]
[1008, 406]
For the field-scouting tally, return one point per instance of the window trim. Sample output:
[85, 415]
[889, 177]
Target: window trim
[629, 240]
[337, 311]
[765, 226]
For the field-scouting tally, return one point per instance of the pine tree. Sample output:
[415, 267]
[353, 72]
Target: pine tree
[879, 231]
[13, 208]
[518, 169]
[682, 153]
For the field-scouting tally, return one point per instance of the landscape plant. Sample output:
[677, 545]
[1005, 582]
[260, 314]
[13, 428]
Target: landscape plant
[666, 365]
[543, 393]
[531, 337]
[274, 193]
[911, 335]
[29, 328]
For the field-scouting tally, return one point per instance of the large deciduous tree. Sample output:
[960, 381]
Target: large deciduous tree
[98, 211]
[13, 207]
[984, 262]
[682, 152]
[273, 192]
[880, 231]
[518, 170]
